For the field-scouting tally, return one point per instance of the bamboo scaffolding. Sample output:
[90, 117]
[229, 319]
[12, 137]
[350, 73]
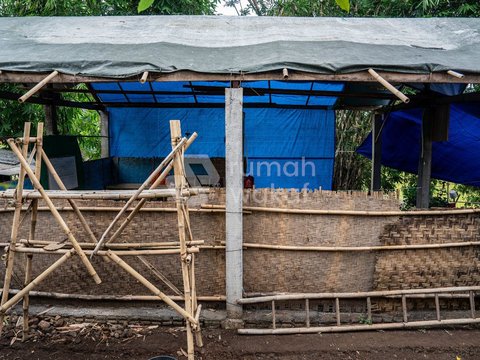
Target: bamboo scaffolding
[179, 176]
[355, 295]
[55, 213]
[16, 223]
[141, 189]
[348, 212]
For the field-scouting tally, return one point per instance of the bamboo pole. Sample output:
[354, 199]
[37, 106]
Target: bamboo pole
[348, 212]
[174, 244]
[144, 77]
[33, 224]
[151, 287]
[134, 197]
[72, 203]
[360, 327]
[389, 86]
[117, 209]
[29, 250]
[10, 303]
[404, 308]
[55, 213]
[307, 313]
[355, 295]
[455, 74]
[159, 275]
[56, 295]
[437, 307]
[15, 223]
[104, 194]
[274, 318]
[179, 176]
[359, 248]
[37, 87]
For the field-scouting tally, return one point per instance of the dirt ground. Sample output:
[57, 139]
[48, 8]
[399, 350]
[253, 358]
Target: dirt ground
[451, 344]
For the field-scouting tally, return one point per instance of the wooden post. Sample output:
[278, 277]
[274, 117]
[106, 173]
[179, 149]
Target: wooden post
[234, 200]
[16, 222]
[376, 179]
[425, 160]
[104, 132]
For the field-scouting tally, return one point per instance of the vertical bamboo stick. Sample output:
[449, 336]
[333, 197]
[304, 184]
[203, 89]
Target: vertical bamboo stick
[33, 225]
[307, 312]
[369, 309]
[472, 303]
[437, 307]
[274, 317]
[337, 310]
[404, 308]
[15, 223]
[55, 213]
[175, 133]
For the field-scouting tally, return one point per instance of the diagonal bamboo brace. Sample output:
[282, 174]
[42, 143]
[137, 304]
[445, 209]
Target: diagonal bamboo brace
[56, 214]
[138, 192]
[10, 303]
[142, 202]
[151, 287]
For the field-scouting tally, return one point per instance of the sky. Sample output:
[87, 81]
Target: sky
[230, 11]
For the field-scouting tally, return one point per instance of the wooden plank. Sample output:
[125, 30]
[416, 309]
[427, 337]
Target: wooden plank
[184, 75]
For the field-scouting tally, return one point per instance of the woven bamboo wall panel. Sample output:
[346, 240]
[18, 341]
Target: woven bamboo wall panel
[274, 270]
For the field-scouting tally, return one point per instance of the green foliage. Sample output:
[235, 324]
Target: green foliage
[144, 5]
[344, 5]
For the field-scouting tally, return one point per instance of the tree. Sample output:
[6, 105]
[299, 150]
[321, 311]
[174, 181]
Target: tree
[84, 123]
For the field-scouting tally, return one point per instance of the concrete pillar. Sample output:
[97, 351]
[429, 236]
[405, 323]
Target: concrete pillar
[376, 179]
[234, 202]
[104, 132]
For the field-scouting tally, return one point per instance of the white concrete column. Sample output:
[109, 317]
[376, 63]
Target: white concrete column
[104, 132]
[234, 202]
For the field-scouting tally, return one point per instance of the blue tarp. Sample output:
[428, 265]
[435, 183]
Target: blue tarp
[456, 160]
[287, 148]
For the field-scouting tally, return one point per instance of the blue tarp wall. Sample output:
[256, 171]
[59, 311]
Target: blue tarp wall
[285, 148]
[456, 160]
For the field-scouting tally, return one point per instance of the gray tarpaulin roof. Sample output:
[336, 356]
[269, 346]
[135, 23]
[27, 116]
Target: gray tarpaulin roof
[126, 46]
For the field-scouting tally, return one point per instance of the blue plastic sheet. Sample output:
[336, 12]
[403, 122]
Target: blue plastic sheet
[456, 160]
[284, 148]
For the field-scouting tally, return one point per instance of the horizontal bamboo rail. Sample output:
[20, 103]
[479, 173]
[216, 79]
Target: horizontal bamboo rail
[359, 248]
[413, 296]
[56, 295]
[350, 212]
[174, 244]
[102, 195]
[355, 295]
[27, 250]
[346, 328]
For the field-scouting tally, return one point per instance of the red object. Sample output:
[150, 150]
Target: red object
[248, 182]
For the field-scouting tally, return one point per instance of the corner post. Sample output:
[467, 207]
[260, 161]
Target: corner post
[234, 204]
[425, 161]
[104, 132]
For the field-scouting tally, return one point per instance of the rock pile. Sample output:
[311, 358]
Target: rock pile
[55, 329]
